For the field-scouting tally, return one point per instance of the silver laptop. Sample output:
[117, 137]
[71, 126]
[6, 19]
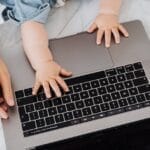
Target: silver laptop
[109, 88]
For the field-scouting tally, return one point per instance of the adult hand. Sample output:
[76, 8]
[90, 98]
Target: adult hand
[6, 95]
[107, 25]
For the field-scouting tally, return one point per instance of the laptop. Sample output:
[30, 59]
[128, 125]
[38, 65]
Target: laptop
[109, 88]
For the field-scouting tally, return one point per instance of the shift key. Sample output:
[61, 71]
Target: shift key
[140, 81]
[26, 100]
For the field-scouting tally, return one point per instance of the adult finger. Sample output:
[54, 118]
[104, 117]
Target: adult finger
[1, 100]
[4, 106]
[92, 28]
[36, 87]
[107, 37]
[123, 31]
[7, 90]
[55, 87]
[62, 83]
[3, 113]
[46, 89]
[116, 35]
[64, 72]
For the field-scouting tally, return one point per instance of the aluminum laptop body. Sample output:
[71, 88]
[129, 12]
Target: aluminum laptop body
[80, 54]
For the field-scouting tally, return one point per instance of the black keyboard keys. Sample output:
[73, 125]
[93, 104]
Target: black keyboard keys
[68, 116]
[50, 120]
[61, 109]
[79, 104]
[105, 107]
[86, 111]
[59, 118]
[95, 109]
[89, 102]
[70, 106]
[123, 102]
[40, 123]
[28, 126]
[114, 104]
[77, 113]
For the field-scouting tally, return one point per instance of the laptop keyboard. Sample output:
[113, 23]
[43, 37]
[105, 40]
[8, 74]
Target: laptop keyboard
[92, 96]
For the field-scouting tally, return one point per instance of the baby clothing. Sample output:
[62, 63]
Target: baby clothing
[36, 10]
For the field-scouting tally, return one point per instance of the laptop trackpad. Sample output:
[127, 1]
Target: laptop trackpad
[80, 54]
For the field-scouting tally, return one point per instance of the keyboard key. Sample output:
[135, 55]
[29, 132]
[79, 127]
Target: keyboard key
[70, 90]
[119, 86]
[29, 108]
[70, 106]
[123, 102]
[139, 73]
[84, 95]
[75, 97]
[89, 102]
[28, 92]
[124, 93]
[68, 116]
[66, 99]
[26, 100]
[40, 123]
[59, 118]
[111, 88]
[77, 88]
[114, 105]
[34, 115]
[57, 101]
[50, 120]
[77, 113]
[86, 86]
[115, 95]
[121, 77]
[102, 90]
[131, 100]
[112, 80]
[106, 97]
[28, 126]
[61, 109]
[43, 113]
[41, 97]
[111, 72]
[128, 84]
[95, 84]
[95, 109]
[140, 81]
[120, 69]
[86, 111]
[39, 106]
[147, 96]
[129, 68]
[98, 100]
[103, 82]
[48, 103]
[133, 91]
[138, 66]
[19, 94]
[79, 104]
[144, 88]
[140, 98]
[23, 116]
[129, 75]
[93, 93]
[104, 107]
[52, 111]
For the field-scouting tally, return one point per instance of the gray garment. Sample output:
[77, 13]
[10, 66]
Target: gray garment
[37, 10]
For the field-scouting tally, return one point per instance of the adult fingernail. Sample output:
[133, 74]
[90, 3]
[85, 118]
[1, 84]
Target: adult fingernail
[11, 102]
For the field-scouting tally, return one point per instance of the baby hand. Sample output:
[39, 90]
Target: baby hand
[107, 24]
[48, 75]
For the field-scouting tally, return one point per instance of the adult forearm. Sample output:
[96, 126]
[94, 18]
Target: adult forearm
[35, 42]
[110, 6]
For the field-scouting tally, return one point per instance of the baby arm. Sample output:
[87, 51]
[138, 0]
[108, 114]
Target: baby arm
[48, 72]
[107, 22]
